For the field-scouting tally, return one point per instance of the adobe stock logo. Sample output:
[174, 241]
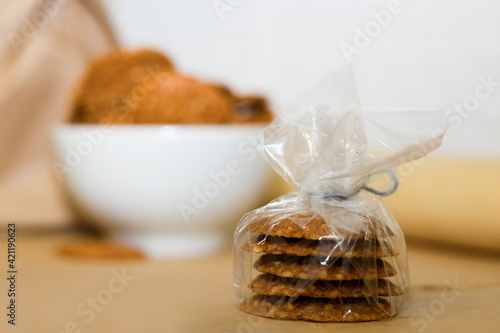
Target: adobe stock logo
[363, 37]
[420, 320]
[220, 180]
[223, 7]
[201, 198]
[93, 137]
[483, 91]
[30, 27]
[89, 309]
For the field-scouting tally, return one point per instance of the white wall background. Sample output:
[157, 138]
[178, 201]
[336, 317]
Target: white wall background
[430, 51]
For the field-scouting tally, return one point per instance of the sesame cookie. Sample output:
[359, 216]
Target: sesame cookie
[312, 226]
[317, 309]
[316, 268]
[267, 284]
[360, 248]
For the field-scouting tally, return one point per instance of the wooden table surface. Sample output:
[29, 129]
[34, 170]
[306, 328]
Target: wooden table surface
[56, 294]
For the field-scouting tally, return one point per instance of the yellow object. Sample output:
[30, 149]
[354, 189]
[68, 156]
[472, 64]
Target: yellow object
[448, 200]
[451, 200]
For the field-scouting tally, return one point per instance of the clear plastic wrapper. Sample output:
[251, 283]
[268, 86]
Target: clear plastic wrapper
[332, 251]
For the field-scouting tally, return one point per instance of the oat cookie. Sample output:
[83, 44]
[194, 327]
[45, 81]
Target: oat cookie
[360, 248]
[312, 226]
[100, 250]
[316, 268]
[267, 284]
[143, 87]
[110, 80]
[317, 309]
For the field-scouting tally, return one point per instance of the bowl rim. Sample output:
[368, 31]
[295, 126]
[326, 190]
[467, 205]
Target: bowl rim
[60, 125]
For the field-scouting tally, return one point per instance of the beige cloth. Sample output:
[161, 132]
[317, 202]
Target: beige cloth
[43, 50]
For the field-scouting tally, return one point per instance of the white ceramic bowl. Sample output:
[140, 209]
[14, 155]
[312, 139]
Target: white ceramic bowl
[170, 190]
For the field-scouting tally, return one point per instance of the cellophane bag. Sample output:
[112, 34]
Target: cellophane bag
[332, 251]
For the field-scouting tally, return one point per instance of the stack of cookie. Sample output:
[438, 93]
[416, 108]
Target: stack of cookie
[307, 272]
